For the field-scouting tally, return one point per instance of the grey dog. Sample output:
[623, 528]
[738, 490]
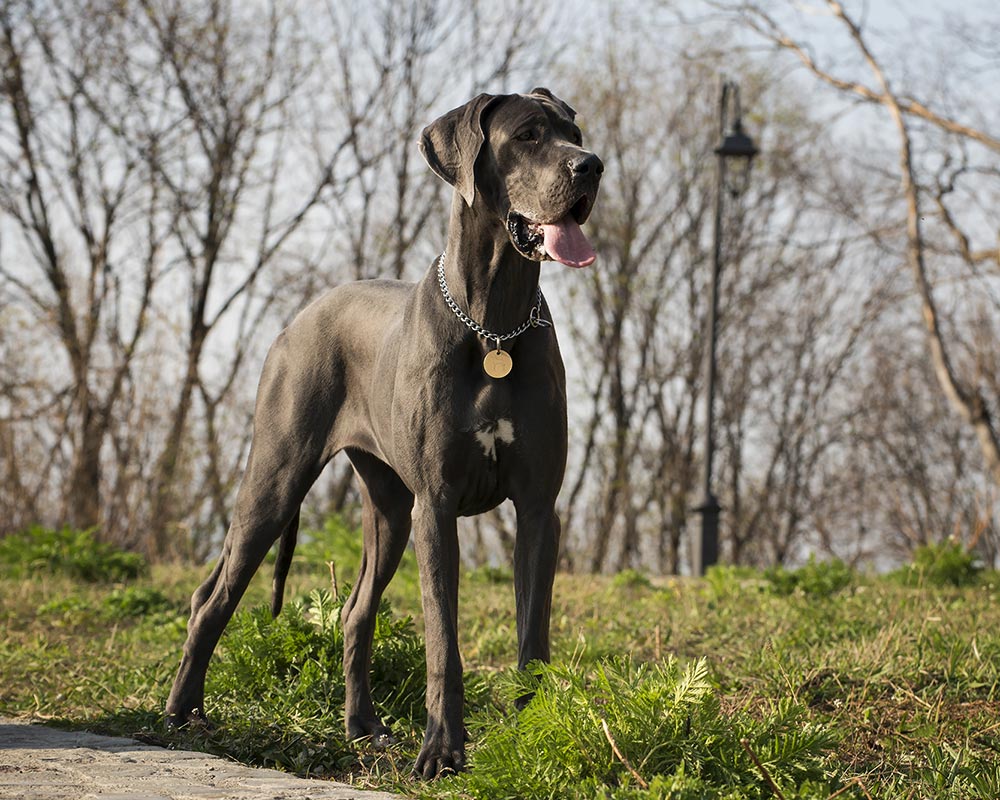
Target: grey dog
[393, 374]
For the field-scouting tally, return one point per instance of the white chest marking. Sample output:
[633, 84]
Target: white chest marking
[487, 436]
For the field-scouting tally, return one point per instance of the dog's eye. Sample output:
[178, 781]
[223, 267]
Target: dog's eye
[577, 137]
[527, 135]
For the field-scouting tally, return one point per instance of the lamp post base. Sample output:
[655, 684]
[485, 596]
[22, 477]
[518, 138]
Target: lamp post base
[706, 553]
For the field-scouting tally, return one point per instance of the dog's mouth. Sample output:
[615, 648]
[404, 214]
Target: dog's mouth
[561, 240]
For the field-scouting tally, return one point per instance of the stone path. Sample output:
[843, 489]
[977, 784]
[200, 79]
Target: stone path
[42, 763]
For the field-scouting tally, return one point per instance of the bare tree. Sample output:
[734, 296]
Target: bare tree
[230, 71]
[910, 476]
[72, 196]
[943, 163]
[148, 171]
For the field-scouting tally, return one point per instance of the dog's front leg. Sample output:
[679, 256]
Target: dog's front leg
[436, 540]
[536, 552]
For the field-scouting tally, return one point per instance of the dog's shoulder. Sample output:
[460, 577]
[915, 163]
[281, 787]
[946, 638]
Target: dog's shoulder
[359, 296]
[348, 319]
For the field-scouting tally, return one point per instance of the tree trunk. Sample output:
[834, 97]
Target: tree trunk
[967, 401]
[83, 499]
[164, 501]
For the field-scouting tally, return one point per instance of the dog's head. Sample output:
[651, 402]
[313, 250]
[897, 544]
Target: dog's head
[522, 158]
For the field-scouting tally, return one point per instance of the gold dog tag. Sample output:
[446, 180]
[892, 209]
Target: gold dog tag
[498, 363]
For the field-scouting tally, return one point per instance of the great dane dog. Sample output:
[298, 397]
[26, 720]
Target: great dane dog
[448, 396]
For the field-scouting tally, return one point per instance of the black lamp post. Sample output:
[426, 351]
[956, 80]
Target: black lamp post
[739, 148]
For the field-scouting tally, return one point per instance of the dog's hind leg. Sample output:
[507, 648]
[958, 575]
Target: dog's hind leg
[282, 561]
[268, 501]
[386, 508]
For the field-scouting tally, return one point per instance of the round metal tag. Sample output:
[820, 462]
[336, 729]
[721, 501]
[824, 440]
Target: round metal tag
[497, 363]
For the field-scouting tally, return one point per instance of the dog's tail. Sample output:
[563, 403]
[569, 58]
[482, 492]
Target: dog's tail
[286, 547]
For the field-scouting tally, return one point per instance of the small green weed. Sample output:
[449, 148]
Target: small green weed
[491, 575]
[120, 604]
[813, 579]
[74, 553]
[943, 564]
[69, 610]
[727, 580]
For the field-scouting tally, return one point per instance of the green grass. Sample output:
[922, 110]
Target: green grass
[809, 683]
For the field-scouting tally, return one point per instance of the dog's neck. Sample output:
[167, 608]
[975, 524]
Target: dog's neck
[495, 284]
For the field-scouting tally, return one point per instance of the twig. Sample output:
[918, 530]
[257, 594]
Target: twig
[855, 782]
[333, 578]
[763, 770]
[618, 753]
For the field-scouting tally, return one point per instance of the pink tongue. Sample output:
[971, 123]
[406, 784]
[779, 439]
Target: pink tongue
[565, 242]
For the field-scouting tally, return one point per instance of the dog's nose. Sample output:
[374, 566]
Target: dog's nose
[585, 164]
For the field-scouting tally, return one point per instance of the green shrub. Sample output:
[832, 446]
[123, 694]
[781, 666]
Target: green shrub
[491, 575]
[943, 564]
[814, 579]
[725, 580]
[290, 661]
[669, 731]
[138, 601]
[74, 553]
[68, 610]
[630, 579]
[120, 604]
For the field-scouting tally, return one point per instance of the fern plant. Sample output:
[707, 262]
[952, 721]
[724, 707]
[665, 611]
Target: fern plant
[629, 730]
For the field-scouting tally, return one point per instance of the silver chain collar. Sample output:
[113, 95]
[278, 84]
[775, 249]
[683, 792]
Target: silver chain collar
[534, 319]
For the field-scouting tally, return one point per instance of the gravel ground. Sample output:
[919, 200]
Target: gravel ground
[42, 763]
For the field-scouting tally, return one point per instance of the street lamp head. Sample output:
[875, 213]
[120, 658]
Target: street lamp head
[738, 147]
[737, 144]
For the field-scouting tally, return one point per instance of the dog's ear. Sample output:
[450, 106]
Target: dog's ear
[541, 91]
[450, 144]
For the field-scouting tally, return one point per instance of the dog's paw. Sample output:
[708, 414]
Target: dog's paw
[440, 755]
[372, 731]
[432, 765]
[193, 720]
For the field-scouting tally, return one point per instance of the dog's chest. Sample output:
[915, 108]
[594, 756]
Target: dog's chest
[488, 447]
[491, 427]
[493, 434]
